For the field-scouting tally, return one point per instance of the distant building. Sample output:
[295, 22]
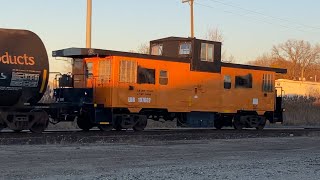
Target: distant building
[300, 88]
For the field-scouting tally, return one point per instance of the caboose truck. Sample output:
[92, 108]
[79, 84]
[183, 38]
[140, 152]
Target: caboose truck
[181, 78]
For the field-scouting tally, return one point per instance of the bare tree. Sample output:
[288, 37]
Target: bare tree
[265, 60]
[142, 49]
[300, 53]
[214, 34]
[230, 59]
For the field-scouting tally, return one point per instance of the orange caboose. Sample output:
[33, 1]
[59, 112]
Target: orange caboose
[181, 78]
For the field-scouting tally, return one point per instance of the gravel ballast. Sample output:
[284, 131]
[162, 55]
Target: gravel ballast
[254, 158]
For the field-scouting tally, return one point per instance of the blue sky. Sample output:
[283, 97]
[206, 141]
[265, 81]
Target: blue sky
[250, 28]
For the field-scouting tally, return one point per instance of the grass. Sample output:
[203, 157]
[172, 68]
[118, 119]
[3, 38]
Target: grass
[301, 111]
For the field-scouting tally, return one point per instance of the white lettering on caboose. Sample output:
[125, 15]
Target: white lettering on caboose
[131, 99]
[144, 100]
[140, 100]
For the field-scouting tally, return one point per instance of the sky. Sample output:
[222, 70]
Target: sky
[250, 28]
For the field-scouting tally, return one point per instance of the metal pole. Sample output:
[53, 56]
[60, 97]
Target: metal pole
[89, 17]
[191, 2]
[192, 23]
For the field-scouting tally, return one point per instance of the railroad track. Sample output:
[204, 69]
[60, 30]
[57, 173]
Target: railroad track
[129, 136]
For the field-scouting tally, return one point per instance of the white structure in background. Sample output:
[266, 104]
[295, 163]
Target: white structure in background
[300, 88]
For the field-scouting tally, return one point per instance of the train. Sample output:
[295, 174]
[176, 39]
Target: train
[181, 78]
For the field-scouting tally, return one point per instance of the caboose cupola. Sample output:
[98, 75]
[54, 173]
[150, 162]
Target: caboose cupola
[203, 55]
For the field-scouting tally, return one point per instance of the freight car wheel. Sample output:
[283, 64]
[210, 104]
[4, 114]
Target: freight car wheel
[108, 127]
[41, 121]
[39, 127]
[2, 126]
[141, 124]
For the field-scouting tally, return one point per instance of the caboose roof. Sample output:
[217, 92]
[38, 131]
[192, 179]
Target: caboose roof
[262, 68]
[87, 53]
[174, 38]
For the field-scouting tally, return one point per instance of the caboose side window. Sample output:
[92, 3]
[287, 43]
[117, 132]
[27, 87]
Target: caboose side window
[227, 82]
[207, 52]
[185, 48]
[244, 81]
[146, 76]
[128, 71]
[267, 82]
[156, 49]
[163, 77]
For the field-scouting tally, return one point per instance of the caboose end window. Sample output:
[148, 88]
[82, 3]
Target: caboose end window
[156, 49]
[207, 52]
[185, 48]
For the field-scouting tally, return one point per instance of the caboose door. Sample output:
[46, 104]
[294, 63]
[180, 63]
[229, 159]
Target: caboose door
[136, 87]
[146, 86]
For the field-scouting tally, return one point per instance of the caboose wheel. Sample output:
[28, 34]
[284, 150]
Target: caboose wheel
[236, 122]
[141, 124]
[237, 126]
[118, 128]
[84, 123]
[262, 124]
[108, 127]
[84, 120]
[260, 127]
[117, 123]
[218, 123]
[41, 121]
[218, 126]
